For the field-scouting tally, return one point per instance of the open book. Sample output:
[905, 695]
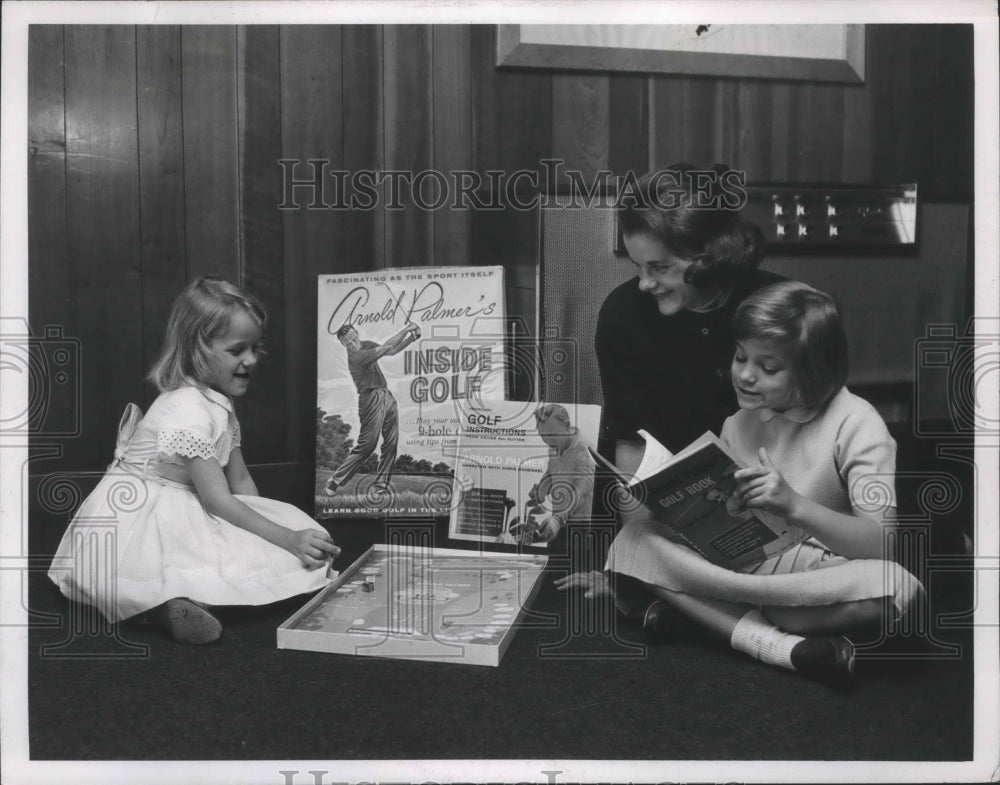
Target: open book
[691, 492]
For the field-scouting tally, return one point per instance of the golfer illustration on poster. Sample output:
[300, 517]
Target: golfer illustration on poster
[377, 410]
[401, 354]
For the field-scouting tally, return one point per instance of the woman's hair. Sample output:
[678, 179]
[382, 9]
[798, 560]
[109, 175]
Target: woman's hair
[199, 314]
[805, 321]
[696, 214]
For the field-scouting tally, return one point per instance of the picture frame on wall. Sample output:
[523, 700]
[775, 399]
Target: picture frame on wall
[818, 53]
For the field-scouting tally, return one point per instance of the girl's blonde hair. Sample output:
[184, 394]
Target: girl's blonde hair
[199, 314]
[806, 322]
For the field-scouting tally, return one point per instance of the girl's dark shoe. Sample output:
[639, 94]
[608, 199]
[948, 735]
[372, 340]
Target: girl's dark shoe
[827, 660]
[661, 624]
[659, 621]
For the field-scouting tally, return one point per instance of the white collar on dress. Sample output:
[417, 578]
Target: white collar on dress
[216, 397]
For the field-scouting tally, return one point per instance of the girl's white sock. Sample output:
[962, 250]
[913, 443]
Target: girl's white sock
[756, 636]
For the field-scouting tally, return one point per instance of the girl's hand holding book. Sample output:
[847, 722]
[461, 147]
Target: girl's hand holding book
[764, 486]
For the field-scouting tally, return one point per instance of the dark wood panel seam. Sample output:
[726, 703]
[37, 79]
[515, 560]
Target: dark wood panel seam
[240, 66]
[138, 177]
[187, 249]
[65, 193]
[432, 224]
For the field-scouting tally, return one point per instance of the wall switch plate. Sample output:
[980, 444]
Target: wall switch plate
[835, 217]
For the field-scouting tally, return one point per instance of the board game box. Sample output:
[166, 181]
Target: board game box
[414, 603]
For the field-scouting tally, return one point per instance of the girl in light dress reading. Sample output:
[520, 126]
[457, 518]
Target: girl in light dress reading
[189, 529]
[812, 452]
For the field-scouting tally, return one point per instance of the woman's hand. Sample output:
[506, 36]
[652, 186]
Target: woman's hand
[764, 487]
[312, 547]
[594, 583]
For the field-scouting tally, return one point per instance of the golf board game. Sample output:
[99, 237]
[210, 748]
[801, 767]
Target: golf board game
[420, 604]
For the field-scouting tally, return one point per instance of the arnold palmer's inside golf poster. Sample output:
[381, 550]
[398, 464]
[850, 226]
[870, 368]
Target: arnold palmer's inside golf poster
[403, 354]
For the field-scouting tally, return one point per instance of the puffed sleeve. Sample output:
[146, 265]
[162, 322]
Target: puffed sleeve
[866, 460]
[186, 428]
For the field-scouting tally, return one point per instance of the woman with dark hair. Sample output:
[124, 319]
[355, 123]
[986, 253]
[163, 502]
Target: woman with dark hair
[664, 338]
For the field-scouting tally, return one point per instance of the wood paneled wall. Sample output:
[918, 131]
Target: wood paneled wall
[153, 157]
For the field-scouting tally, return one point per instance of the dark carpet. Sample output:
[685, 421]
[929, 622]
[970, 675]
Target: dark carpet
[562, 691]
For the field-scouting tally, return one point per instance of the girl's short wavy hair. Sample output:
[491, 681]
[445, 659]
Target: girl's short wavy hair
[695, 213]
[200, 314]
[807, 323]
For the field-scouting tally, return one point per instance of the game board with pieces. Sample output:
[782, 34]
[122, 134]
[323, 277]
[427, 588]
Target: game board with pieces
[419, 603]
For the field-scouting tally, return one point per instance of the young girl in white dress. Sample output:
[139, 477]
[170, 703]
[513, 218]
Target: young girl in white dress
[190, 530]
[817, 455]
